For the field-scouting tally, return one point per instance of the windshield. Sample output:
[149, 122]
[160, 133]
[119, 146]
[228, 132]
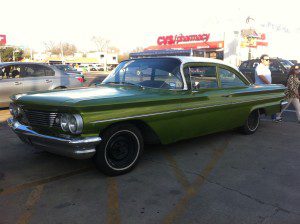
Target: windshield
[286, 64]
[148, 72]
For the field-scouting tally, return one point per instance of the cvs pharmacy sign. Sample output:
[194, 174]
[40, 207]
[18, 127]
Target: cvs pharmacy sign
[2, 39]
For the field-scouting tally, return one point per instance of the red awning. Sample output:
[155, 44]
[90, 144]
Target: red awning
[188, 46]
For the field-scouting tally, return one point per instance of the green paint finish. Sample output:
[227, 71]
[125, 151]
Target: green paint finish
[172, 114]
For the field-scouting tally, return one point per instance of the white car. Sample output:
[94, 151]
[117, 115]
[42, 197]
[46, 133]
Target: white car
[20, 77]
[83, 68]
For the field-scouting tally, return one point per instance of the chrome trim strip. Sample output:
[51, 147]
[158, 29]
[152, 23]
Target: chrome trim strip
[176, 111]
[79, 152]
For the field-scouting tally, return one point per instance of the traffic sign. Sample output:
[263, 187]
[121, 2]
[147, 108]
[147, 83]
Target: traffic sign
[2, 39]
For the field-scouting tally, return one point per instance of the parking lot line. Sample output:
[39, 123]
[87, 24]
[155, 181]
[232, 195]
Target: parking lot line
[181, 178]
[33, 198]
[25, 186]
[113, 212]
[195, 187]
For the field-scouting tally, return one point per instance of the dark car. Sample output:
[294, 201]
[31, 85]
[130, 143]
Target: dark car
[279, 69]
[70, 71]
[294, 61]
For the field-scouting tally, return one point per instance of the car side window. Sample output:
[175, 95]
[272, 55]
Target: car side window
[49, 72]
[229, 79]
[35, 71]
[10, 72]
[274, 66]
[29, 71]
[203, 77]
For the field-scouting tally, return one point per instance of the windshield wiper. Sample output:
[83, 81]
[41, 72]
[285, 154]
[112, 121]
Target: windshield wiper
[130, 83]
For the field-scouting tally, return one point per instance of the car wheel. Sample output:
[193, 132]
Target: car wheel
[120, 150]
[252, 123]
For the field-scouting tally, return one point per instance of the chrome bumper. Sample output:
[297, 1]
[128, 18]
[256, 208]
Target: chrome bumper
[283, 104]
[77, 148]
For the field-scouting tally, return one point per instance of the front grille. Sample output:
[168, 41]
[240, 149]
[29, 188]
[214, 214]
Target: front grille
[42, 118]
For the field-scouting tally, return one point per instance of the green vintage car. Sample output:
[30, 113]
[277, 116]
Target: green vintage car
[145, 100]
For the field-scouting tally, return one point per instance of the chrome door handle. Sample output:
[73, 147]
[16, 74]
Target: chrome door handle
[48, 81]
[18, 83]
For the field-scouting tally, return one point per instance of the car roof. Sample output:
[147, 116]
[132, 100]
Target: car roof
[189, 59]
[22, 63]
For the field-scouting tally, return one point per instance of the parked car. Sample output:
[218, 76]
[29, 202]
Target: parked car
[83, 68]
[294, 61]
[67, 69]
[99, 67]
[145, 100]
[18, 77]
[92, 67]
[279, 69]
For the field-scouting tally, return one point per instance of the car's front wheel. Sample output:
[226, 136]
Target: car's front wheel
[252, 123]
[120, 149]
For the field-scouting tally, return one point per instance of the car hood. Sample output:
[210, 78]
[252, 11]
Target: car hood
[84, 98]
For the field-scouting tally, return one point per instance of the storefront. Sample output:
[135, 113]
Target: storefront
[232, 47]
[201, 45]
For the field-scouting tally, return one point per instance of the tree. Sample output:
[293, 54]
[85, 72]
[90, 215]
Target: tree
[101, 43]
[68, 49]
[8, 53]
[122, 57]
[113, 50]
[60, 48]
[137, 49]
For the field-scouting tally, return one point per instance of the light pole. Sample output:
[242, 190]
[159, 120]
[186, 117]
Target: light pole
[251, 43]
[15, 51]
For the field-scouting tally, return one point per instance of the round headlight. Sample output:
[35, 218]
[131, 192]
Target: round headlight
[75, 124]
[72, 124]
[15, 110]
[64, 122]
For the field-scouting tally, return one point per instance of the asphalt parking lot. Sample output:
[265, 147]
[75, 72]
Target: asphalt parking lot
[220, 178]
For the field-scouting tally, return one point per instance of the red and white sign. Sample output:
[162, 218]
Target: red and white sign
[2, 39]
[188, 46]
[170, 39]
[187, 42]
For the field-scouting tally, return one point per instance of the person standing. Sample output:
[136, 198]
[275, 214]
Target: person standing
[262, 71]
[292, 92]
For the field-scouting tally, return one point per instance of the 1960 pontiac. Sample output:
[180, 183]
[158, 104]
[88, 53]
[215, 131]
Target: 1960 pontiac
[146, 100]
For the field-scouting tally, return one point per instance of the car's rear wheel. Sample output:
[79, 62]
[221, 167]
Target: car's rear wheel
[60, 87]
[252, 123]
[120, 149]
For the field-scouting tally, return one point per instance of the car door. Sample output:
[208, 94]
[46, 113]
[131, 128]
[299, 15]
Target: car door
[248, 69]
[278, 74]
[34, 78]
[205, 105]
[10, 83]
[235, 87]
[50, 78]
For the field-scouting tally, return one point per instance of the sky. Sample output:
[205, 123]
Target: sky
[129, 24]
